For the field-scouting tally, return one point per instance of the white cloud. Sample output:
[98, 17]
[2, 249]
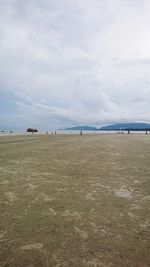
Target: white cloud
[71, 61]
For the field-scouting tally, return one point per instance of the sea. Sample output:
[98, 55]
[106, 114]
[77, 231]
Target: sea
[66, 132]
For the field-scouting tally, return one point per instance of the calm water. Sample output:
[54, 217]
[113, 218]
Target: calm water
[50, 132]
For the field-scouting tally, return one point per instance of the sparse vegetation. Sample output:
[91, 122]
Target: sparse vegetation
[32, 130]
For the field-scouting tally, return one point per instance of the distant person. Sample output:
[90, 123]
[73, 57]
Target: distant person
[80, 132]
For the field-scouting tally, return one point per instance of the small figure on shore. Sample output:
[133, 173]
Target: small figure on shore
[80, 132]
[128, 132]
[55, 133]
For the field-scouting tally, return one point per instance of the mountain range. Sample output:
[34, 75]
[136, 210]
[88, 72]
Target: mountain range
[136, 126]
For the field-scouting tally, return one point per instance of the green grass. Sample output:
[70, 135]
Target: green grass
[73, 200]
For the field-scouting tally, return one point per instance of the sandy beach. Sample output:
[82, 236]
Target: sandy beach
[71, 200]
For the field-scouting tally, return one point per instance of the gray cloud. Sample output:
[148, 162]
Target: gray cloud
[75, 62]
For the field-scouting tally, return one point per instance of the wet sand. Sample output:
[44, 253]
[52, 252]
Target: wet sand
[71, 200]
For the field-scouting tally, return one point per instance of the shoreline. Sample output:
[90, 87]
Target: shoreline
[58, 133]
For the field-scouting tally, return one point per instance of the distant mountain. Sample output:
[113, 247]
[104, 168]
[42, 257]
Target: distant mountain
[82, 128]
[136, 126]
[125, 126]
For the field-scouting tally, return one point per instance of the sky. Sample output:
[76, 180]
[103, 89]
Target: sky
[74, 62]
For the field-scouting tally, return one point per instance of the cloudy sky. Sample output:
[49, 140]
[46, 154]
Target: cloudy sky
[74, 62]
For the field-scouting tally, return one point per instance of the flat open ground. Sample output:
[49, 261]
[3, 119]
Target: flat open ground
[73, 200]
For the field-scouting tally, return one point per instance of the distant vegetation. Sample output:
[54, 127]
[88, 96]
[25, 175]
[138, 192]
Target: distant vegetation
[126, 126]
[82, 128]
[32, 130]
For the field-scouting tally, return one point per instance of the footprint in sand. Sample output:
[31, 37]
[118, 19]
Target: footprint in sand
[46, 198]
[2, 235]
[124, 193]
[74, 214]
[11, 196]
[83, 234]
[52, 211]
[32, 246]
[89, 196]
[94, 263]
